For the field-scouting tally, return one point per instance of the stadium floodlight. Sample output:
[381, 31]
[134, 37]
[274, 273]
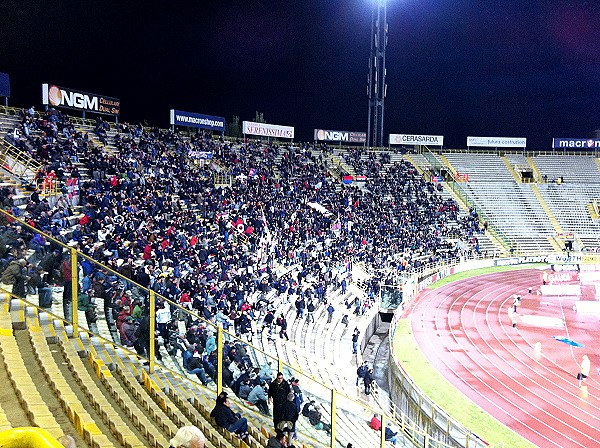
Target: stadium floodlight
[376, 86]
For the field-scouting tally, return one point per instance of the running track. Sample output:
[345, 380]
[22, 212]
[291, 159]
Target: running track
[465, 331]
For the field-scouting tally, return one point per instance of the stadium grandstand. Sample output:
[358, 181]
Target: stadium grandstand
[147, 271]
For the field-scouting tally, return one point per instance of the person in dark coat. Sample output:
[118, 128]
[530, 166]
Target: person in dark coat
[278, 392]
[368, 380]
[16, 274]
[228, 419]
[290, 413]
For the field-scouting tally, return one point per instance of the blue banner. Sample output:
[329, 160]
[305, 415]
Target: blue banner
[4, 85]
[194, 120]
[203, 155]
[575, 143]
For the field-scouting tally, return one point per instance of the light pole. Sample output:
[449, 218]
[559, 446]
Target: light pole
[376, 86]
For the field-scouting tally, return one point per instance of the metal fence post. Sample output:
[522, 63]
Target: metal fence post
[74, 290]
[382, 435]
[151, 335]
[333, 416]
[220, 365]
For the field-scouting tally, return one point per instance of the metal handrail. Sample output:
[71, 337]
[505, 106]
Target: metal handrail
[16, 161]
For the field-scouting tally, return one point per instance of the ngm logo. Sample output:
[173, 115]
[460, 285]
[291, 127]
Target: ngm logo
[56, 96]
[62, 97]
[323, 135]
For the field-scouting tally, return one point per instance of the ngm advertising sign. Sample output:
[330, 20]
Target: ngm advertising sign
[497, 142]
[267, 130]
[414, 139]
[576, 143]
[53, 95]
[192, 119]
[323, 135]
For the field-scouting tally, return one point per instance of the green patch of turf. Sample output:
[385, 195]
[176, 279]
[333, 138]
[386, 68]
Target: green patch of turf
[440, 390]
[481, 271]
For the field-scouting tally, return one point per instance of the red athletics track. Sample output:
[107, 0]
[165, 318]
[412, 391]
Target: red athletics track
[464, 329]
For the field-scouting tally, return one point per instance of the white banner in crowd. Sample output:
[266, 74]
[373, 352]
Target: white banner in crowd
[497, 142]
[267, 130]
[412, 139]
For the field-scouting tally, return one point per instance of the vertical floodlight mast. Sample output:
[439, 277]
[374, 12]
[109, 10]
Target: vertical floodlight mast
[376, 86]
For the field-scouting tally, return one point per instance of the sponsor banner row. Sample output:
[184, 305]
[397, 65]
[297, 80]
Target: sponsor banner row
[53, 95]
[521, 260]
[576, 143]
[4, 85]
[554, 259]
[324, 135]
[267, 130]
[413, 139]
[194, 120]
[497, 142]
[574, 258]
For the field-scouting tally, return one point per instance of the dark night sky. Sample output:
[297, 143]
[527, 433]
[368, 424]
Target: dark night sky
[507, 68]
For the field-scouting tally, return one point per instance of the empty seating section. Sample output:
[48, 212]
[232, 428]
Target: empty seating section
[568, 203]
[513, 208]
[153, 412]
[480, 167]
[572, 168]
[29, 396]
[516, 159]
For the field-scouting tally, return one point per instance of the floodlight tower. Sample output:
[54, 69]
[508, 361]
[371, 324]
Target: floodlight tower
[376, 86]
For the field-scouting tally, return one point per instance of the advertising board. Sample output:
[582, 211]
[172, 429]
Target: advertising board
[55, 96]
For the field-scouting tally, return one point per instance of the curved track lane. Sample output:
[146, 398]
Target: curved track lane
[465, 331]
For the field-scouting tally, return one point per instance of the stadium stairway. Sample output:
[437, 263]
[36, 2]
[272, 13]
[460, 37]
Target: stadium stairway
[323, 353]
[115, 403]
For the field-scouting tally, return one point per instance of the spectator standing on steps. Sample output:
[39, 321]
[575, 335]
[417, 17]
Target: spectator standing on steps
[368, 380]
[330, 311]
[289, 414]
[355, 341]
[298, 396]
[361, 372]
[300, 306]
[278, 392]
[311, 309]
[282, 323]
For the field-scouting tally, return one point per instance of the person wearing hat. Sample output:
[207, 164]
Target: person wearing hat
[188, 437]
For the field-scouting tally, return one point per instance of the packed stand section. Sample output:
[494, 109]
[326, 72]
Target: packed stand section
[283, 230]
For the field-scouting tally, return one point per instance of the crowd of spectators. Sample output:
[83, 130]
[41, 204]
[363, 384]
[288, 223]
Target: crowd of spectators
[282, 228]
